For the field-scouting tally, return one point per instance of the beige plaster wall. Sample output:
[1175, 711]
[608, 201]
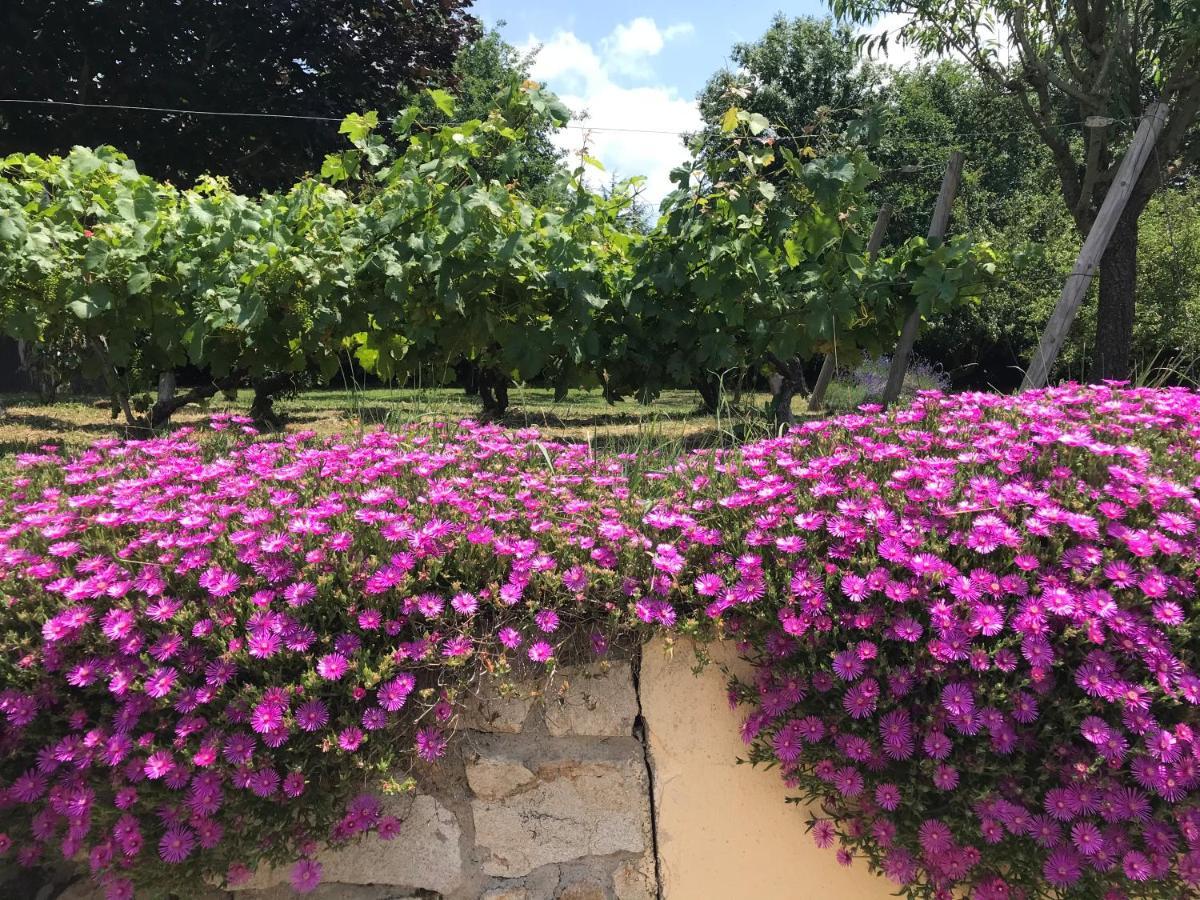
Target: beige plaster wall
[724, 831]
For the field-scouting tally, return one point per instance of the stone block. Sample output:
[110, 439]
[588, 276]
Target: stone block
[576, 809]
[86, 889]
[494, 710]
[507, 893]
[596, 699]
[635, 879]
[330, 891]
[581, 890]
[426, 855]
[493, 777]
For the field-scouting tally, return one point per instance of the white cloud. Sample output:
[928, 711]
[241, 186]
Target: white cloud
[640, 37]
[678, 30]
[567, 62]
[629, 48]
[614, 87]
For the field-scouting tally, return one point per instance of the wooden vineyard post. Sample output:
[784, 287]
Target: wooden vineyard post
[817, 397]
[1093, 248]
[937, 231]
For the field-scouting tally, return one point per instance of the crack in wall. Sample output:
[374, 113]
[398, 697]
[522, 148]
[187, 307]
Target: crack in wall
[642, 732]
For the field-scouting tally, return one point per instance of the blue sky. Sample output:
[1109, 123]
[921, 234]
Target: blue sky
[633, 65]
[685, 62]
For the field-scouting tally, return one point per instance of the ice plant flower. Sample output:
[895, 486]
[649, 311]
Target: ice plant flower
[969, 621]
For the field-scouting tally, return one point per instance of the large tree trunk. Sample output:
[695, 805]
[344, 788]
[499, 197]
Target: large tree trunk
[1114, 316]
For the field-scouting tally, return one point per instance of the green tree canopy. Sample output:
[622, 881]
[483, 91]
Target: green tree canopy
[1081, 74]
[484, 69]
[800, 71]
[288, 57]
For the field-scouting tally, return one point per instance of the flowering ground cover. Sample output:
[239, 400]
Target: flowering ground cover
[973, 623]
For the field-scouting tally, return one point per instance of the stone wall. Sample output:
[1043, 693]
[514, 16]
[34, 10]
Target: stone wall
[621, 785]
[534, 800]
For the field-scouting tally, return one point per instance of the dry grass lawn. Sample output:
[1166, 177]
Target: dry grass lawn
[673, 420]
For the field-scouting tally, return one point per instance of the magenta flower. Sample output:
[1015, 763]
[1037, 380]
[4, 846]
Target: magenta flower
[1087, 838]
[430, 744]
[350, 738]
[958, 700]
[823, 833]
[935, 837]
[388, 828]
[312, 715]
[176, 844]
[267, 717]
[945, 777]
[887, 796]
[159, 764]
[306, 876]
[541, 652]
[464, 603]
[1062, 868]
[941, 597]
[332, 666]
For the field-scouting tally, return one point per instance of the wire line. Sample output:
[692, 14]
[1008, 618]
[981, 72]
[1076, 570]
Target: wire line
[164, 109]
[574, 127]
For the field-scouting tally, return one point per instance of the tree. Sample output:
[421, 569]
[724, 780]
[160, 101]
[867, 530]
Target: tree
[799, 71]
[288, 57]
[1080, 72]
[933, 108]
[759, 261]
[483, 70]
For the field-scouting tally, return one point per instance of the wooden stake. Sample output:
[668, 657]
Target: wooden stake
[937, 231]
[817, 397]
[1093, 248]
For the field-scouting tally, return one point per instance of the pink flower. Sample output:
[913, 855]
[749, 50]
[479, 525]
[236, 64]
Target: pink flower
[332, 666]
[1062, 868]
[350, 738]
[935, 837]
[823, 833]
[430, 744]
[176, 844]
[312, 715]
[159, 764]
[887, 796]
[945, 777]
[464, 603]
[306, 876]
[392, 694]
[294, 784]
[388, 828]
[541, 652]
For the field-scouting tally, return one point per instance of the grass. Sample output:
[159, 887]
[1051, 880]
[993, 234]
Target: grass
[674, 419]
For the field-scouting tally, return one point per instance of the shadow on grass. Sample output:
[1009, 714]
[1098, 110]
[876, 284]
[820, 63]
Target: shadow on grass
[553, 419]
[674, 426]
